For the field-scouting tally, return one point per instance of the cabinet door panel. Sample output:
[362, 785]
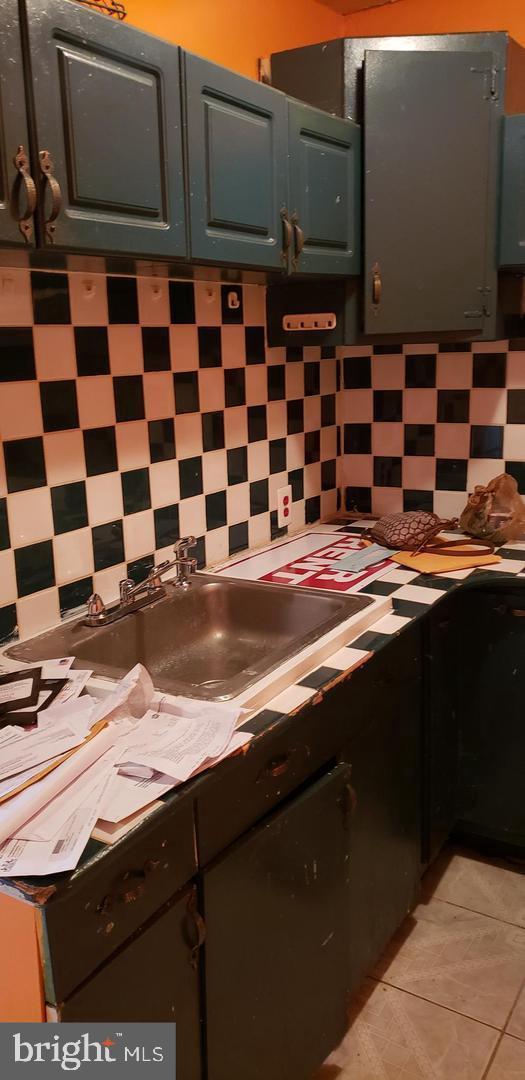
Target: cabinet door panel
[428, 164]
[236, 140]
[277, 945]
[324, 163]
[13, 126]
[512, 227]
[149, 979]
[108, 111]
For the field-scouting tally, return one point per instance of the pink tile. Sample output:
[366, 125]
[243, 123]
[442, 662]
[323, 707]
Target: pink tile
[387, 500]
[16, 305]
[8, 585]
[516, 370]
[238, 503]
[184, 348]
[452, 440]
[104, 498]
[233, 346]
[73, 554]
[357, 406]
[235, 427]
[388, 372]
[254, 303]
[312, 414]
[488, 406]
[419, 473]
[420, 349]
[295, 451]
[125, 350]
[387, 439]
[312, 479]
[192, 516]
[214, 471]
[96, 402]
[207, 303]
[133, 445]
[328, 503]
[328, 443]
[420, 406]
[256, 384]
[454, 371]
[55, 356]
[294, 381]
[139, 534]
[312, 352]
[106, 582]
[211, 389]
[259, 526]
[20, 411]
[358, 470]
[30, 517]
[490, 346]
[217, 549]
[449, 504]
[276, 419]
[159, 397]
[88, 299]
[482, 470]
[154, 301]
[275, 354]
[328, 376]
[188, 435]
[258, 460]
[64, 454]
[37, 613]
[514, 442]
[164, 483]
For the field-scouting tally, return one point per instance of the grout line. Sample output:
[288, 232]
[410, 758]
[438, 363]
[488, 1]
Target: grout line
[490, 1062]
[514, 1003]
[439, 1005]
[484, 914]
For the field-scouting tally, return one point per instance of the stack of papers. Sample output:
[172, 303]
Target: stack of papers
[89, 759]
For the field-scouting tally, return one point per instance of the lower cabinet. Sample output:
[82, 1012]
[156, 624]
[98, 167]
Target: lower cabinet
[441, 677]
[278, 938]
[491, 716]
[154, 977]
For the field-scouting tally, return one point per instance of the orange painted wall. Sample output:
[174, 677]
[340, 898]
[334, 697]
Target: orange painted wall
[236, 32]
[439, 17]
[21, 992]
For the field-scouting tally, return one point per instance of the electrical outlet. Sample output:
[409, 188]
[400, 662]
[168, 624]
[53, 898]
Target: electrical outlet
[284, 506]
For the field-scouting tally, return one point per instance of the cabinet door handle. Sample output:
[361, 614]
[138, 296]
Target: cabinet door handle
[277, 766]
[287, 235]
[46, 168]
[298, 240]
[519, 613]
[199, 925]
[25, 180]
[377, 285]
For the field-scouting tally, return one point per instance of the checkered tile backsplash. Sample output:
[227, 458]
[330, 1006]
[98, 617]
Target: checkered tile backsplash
[423, 424]
[134, 411]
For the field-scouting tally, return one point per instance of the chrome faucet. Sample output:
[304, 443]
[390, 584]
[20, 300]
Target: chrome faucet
[133, 597]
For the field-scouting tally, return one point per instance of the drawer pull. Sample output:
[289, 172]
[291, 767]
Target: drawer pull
[46, 168]
[199, 926]
[25, 180]
[519, 613]
[105, 905]
[277, 766]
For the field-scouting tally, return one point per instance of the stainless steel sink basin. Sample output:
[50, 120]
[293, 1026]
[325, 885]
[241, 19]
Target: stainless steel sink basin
[212, 640]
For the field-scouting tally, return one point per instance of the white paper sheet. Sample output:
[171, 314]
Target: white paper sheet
[48, 822]
[36, 747]
[131, 697]
[16, 691]
[20, 858]
[76, 714]
[76, 681]
[184, 745]
[57, 669]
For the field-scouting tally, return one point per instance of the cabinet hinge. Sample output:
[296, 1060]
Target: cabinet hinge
[491, 82]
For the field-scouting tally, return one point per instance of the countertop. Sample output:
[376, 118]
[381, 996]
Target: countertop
[412, 595]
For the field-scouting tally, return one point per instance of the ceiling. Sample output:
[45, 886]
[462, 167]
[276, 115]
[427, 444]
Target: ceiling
[347, 7]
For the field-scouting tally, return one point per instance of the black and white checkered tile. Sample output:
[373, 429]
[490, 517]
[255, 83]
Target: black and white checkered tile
[412, 595]
[137, 410]
[423, 424]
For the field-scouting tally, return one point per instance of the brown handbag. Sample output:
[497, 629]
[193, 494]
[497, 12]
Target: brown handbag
[416, 529]
[495, 512]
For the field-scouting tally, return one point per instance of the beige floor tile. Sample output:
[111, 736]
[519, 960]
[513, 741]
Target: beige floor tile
[395, 1036]
[509, 1062]
[457, 958]
[478, 885]
[516, 1024]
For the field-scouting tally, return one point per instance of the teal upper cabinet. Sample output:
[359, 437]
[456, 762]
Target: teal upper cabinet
[17, 188]
[512, 224]
[107, 111]
[236, 133]
[324, 200]
[429, 165]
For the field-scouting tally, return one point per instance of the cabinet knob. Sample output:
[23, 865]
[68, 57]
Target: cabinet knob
[299, 240]
[287, 235]
[377, 285]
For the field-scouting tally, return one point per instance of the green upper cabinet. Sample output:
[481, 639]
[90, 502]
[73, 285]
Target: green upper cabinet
[429, 153]
[512, 223]
[236, 132]
[17, 188]
[324, 199]
[107, 112]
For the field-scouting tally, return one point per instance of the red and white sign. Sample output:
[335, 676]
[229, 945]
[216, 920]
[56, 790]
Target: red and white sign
[314, 568]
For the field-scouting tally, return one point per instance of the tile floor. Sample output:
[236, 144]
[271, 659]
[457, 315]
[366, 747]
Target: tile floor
[447, 999]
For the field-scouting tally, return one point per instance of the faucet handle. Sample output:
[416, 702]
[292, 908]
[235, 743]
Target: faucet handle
[183, 545]
[125, 589]
[95, 605]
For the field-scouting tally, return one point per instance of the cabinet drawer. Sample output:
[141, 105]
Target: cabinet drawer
[105, 903]
[244, 788]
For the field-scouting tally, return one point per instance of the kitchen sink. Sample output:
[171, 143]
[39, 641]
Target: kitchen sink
[212, 640]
